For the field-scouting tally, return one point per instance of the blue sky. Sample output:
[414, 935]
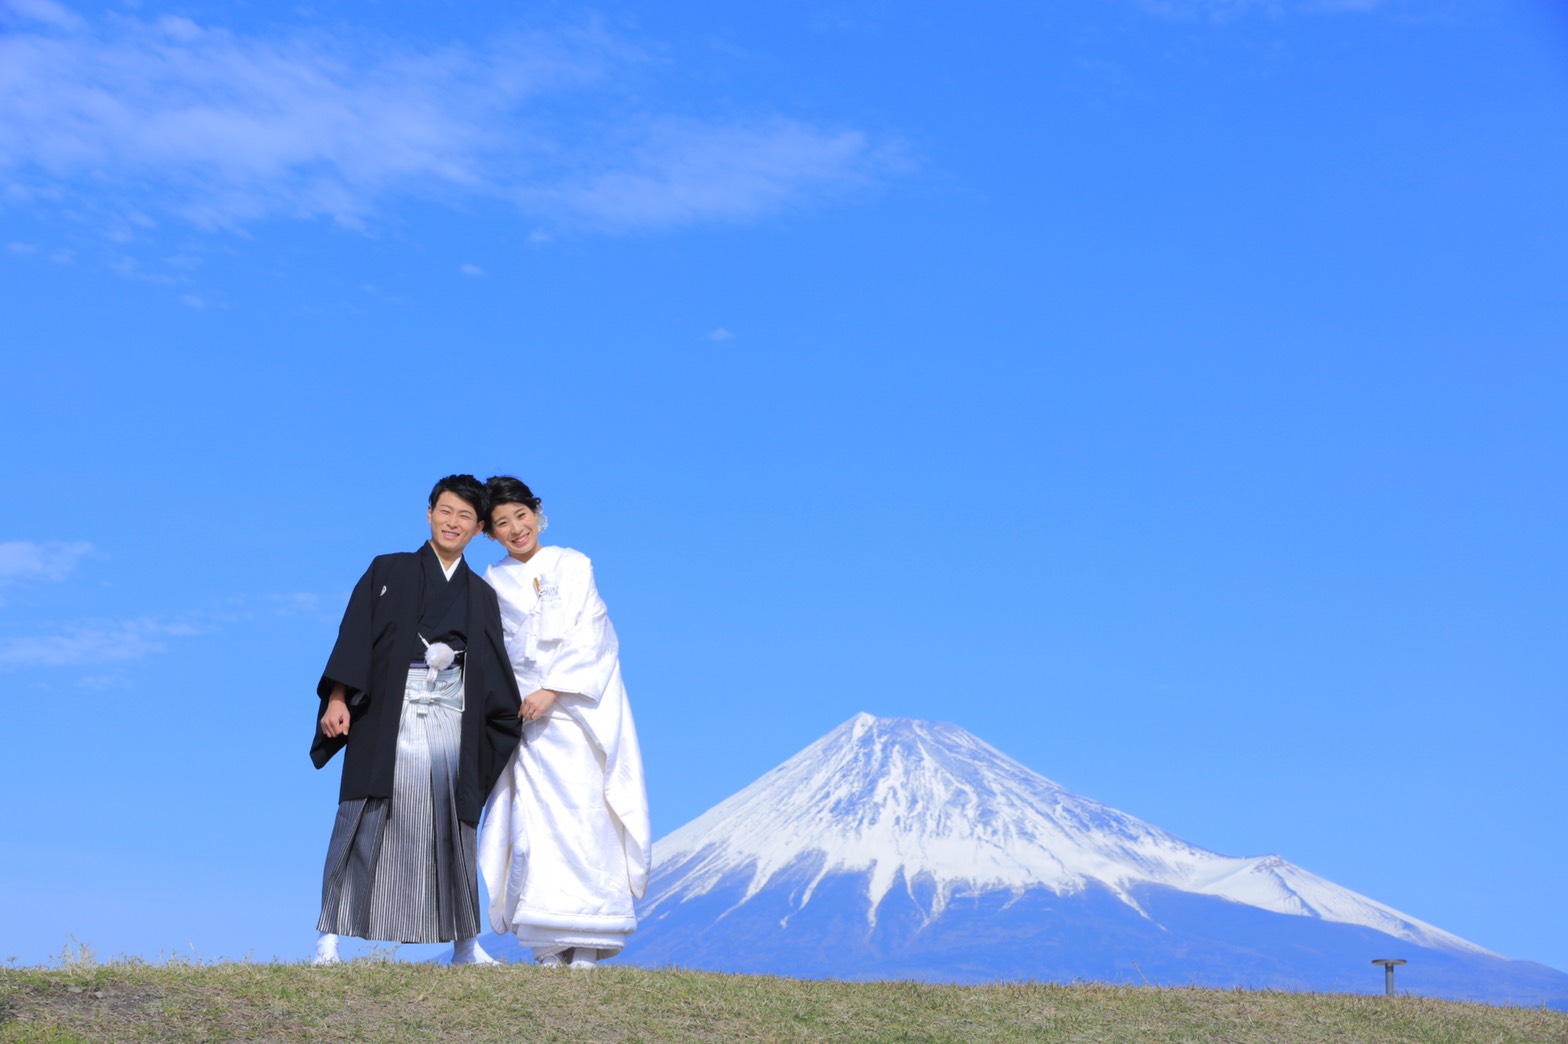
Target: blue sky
[1168, 392]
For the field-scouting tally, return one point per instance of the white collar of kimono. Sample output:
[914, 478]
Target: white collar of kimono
[538, 562]
[448, 569]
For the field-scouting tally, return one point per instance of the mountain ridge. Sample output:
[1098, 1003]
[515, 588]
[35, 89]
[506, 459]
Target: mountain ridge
[899, 795]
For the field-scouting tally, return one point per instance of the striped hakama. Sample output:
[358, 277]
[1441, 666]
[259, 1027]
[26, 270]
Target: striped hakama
[403, 869]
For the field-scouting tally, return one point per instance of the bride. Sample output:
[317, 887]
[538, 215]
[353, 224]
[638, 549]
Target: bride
[566, 844]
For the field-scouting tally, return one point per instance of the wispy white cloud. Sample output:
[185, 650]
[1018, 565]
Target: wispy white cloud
[1226, 10]
[684, 171]
[89, 642]
[298, 603]
[719, 334]
[49, 561]
[45, 12]
[104, 641]
[102, 682]
[471, 270]
[170, 116]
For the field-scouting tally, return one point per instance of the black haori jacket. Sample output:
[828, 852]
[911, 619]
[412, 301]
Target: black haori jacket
[372, 657]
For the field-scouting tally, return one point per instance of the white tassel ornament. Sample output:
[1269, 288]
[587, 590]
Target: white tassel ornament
[438, 657]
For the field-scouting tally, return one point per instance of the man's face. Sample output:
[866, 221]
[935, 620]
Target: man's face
[453, 523]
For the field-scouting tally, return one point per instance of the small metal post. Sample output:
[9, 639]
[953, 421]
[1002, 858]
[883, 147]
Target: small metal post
[1388, 964]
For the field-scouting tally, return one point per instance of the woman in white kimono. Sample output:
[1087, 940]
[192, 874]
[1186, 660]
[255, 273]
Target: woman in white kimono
[565, 845]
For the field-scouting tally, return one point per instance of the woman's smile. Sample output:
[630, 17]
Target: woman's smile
[516, 526]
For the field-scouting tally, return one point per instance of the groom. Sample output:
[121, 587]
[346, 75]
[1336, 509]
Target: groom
[419, 691]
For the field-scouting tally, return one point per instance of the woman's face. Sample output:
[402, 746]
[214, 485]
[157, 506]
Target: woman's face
[517, 528]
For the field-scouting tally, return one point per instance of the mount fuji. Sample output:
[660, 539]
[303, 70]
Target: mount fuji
[893, 848]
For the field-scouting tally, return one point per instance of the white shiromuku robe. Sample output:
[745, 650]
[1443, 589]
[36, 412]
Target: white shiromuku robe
[566, 842]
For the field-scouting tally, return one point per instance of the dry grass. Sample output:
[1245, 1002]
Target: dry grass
[380, 1001]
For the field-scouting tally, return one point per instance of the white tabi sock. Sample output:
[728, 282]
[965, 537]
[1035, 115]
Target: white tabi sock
[468, 951]
[327, 949]
[584, 958]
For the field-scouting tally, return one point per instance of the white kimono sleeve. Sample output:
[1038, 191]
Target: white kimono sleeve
[587, 669]
[588, 654]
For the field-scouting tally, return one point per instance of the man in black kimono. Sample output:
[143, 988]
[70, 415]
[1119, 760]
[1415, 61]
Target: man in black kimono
[420, 692]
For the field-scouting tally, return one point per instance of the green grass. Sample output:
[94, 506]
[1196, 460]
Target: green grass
[372, 1000]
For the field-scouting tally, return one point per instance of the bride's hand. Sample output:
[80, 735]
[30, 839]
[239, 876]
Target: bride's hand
[536, 703]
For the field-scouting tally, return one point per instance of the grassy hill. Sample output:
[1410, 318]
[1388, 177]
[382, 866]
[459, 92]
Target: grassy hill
[383, 1001]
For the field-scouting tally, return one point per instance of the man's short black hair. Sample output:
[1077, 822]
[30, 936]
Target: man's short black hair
[467, 487]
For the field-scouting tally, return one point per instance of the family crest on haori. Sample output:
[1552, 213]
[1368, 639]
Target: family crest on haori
[566, 844]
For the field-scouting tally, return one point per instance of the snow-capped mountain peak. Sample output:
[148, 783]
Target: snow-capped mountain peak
[928, 807]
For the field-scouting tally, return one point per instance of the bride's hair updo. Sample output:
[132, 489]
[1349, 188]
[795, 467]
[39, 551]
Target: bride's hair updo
[504, 489]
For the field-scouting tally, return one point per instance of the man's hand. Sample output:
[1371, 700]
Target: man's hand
[535, 704]
[335, 721]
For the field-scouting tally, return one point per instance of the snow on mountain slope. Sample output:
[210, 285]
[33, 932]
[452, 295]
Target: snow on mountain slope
[927, 802]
